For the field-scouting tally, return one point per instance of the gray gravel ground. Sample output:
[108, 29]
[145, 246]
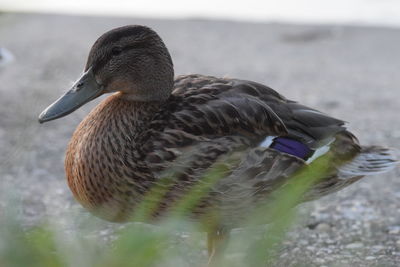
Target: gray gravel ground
[349, 72]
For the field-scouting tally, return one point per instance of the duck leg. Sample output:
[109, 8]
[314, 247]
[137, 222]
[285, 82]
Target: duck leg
[216, 242]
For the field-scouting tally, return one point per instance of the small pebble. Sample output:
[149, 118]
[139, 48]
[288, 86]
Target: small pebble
[355, 245]
[320, 261]
[311, 248]
[394, 230]
[323, 227]
[284, 255]
[378, 248]
[303, 242]
[295, 250]
[370, 258]
[329, 241]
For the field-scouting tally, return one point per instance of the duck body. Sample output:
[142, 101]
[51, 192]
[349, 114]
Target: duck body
[154, 127]
[122, 148]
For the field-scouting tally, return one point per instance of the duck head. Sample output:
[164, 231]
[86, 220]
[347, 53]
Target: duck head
[132, 60]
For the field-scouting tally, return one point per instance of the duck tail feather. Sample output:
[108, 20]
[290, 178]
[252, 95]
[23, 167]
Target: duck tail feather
[371, 160]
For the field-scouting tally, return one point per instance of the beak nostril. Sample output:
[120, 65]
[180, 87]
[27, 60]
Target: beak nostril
[79, 85]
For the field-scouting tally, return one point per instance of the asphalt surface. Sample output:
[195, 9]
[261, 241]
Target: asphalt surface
[349, 72]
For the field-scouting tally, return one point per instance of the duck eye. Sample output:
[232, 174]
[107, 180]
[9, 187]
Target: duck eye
[116, 51]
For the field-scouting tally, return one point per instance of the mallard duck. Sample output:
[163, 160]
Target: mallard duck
[153, 122]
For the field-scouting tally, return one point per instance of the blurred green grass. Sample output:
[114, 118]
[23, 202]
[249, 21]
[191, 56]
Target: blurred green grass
[142, 245]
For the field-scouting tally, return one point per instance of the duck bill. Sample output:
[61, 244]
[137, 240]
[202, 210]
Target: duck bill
[84, 90]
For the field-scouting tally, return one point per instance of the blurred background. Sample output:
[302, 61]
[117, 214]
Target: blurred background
[370, 12]
[341, 57]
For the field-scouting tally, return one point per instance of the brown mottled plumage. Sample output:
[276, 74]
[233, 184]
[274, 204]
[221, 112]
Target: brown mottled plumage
[153, 124]
[123, 147]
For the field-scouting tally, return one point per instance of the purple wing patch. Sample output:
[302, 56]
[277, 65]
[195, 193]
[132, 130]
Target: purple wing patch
[292, 147]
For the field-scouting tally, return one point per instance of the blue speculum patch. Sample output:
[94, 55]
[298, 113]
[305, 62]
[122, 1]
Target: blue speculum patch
[292, 147]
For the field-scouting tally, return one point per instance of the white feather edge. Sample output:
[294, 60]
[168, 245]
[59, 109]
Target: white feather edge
[267, 141]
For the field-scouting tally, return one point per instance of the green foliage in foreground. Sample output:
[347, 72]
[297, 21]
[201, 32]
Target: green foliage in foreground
[162, 245]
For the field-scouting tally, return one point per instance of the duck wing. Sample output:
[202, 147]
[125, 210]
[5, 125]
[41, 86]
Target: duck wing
[210, 117]
[209, 105]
